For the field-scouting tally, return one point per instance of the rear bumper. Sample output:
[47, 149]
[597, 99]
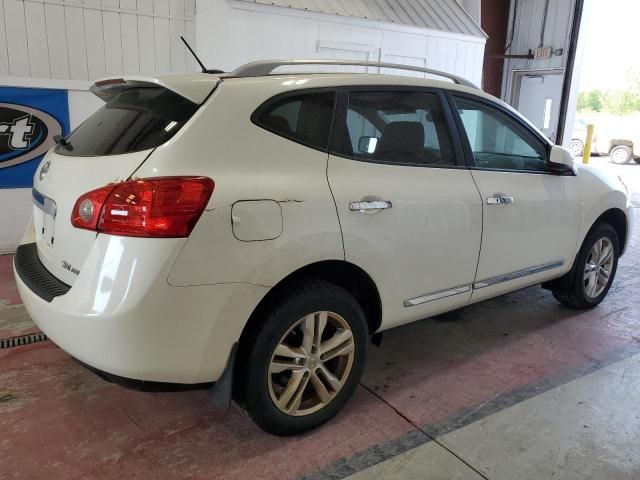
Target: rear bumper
[35, 276]
[122, 317]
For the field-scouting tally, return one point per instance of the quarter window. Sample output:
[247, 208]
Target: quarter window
[401, 127]
[498, 141]
[305, 118]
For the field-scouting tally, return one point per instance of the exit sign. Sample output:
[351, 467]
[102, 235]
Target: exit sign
[541, 53]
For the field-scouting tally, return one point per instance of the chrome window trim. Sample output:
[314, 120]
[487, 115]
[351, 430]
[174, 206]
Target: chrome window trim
[518, 274]
[44, 203]
[430, 297]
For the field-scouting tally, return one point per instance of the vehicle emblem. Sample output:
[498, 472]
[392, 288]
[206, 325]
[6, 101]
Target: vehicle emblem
[45, 169]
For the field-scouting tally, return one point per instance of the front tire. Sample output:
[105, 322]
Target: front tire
[621, 154]
[594, 270]
[305, 359]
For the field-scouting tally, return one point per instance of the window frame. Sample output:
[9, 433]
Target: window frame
[255, 116]
[340, 116]
[532, 133]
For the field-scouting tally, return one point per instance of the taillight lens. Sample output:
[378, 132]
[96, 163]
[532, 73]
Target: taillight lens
[166, 207]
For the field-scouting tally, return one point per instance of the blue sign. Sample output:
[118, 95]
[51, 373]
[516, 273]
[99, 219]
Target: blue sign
[29, 119]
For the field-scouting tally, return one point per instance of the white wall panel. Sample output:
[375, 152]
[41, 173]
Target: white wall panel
[37, 39]
[190, 8]
[130, 52]
[178, 54]
[4, 57]
[190, 36]
[76, 43]
[145, 6]
[14, 220]
[146, 43]
[16, 31]
[87, 39]
[162, 34]
[57, 41]
[112, 42]
[94, 38]
[128, 4]
[161, 7]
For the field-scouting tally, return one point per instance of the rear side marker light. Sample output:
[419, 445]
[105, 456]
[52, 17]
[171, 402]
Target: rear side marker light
[163, 207]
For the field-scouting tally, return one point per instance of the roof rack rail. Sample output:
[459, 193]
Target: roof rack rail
[266, 67]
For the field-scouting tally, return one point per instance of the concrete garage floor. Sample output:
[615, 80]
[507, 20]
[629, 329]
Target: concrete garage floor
[516, 387]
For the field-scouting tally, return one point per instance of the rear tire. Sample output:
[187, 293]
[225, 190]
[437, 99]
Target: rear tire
[577, 147]
[593, 273]
[292, 378]
[621, 154]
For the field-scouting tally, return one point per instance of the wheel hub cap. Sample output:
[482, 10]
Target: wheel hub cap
[311, 363]
[597, 270]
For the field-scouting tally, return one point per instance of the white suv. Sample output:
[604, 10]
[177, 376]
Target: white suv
[257, 230]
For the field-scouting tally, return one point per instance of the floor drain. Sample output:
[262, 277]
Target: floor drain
[22, 340]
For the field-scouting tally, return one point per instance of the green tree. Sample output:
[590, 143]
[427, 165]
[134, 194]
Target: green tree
[616, 102]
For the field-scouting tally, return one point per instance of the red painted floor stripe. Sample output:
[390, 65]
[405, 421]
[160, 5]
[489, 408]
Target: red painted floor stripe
[69, 423]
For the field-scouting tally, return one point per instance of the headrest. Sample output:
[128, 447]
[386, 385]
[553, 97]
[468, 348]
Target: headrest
[402, 137]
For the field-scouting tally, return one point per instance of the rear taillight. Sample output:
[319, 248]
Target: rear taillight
[151, 207]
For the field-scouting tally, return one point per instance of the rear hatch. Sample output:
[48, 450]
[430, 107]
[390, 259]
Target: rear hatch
[139, 115]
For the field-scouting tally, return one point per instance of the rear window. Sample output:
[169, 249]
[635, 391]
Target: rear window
[136, 119]
[304, 118]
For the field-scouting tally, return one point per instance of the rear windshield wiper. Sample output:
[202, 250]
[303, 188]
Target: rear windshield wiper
[62, 141]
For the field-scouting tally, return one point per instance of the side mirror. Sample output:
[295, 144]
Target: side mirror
[367, 144]
[561, 159]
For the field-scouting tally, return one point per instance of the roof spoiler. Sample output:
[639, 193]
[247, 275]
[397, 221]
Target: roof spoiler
[195, 87]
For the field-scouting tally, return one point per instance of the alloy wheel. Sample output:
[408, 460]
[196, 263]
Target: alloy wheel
[311, 363]
[598, 268]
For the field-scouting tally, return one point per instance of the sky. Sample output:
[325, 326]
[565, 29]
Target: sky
[611, 48]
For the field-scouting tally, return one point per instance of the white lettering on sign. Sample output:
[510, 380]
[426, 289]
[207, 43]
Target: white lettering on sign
[19, 132]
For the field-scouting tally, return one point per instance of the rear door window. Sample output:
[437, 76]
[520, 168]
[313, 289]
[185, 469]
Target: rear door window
[136, 119]
[304, 118]
[401, 127]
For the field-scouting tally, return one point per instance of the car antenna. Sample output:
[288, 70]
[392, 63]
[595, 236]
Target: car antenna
[204, 69]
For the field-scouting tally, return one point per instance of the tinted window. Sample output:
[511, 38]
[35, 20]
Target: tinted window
[305, 118]
[498, 141]
[135, 119]
[397, 127]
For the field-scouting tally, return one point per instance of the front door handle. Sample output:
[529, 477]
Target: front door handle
[500, 199]
[374, 205]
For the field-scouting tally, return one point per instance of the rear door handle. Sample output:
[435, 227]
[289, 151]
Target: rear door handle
[500, 199]
[362, 206]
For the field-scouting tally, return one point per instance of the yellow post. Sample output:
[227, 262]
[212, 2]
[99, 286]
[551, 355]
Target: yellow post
[587, 144]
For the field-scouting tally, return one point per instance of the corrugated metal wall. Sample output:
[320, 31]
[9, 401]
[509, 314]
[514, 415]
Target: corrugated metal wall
[434, 15]
[528, 26]
[88, 39]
